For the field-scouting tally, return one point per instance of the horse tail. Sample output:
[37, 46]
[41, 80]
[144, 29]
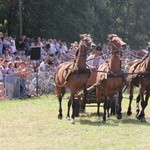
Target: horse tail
[63, 91]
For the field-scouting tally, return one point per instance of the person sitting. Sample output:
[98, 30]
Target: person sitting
[95, 59]
[43, 66]
[93, 62]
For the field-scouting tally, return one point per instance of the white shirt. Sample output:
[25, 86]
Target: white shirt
[42, 67]
[93, 61]
[13, 45]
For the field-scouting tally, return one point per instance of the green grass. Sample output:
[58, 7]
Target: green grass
[32, 124]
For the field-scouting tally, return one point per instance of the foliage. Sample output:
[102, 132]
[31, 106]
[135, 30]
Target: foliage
[68, 18]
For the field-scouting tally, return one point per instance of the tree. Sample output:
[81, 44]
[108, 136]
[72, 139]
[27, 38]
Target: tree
[66, 19]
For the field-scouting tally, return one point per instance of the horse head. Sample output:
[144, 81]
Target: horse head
[115, 43]
[87, 42]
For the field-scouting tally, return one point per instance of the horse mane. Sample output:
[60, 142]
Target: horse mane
[146, 56]
[114, 36]
[77, 52]
[110, 36]
[141, 62]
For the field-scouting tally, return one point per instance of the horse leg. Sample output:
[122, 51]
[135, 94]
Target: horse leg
[98, 107]
[98, 98]
[118, 104]
[84, 99]
[60, 115]
[74, 107]
[108, 107]
[77, 106]
[113, 105]
[143, 105]
[68, 112]
[141, 93]
[137, 105]
[129, 112]
[60, 93]
[105, 108]
[146, 103]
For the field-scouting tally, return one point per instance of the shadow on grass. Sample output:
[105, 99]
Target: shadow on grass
[91, 119]
[98, 122]
[87, 119]
[133, 120]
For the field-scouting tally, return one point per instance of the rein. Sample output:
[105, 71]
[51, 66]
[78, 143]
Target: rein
[124, 73]
[110, 43]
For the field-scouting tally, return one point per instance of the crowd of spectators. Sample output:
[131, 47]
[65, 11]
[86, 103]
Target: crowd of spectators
[15, 55]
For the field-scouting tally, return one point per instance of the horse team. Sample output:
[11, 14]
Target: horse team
[110, 80]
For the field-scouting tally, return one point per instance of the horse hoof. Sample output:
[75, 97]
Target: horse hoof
[60, 116]
[129, 113]
[97, 116]
[143, 119]
[82, 110]
[72, 121]
[139, 117]
[119, 116]
[103, 121]
[77, 115]
[68, 118]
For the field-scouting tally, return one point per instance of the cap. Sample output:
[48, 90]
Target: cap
[98, 48]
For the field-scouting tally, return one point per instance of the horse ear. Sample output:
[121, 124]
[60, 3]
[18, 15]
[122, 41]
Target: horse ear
[148, 46]
[81, 36]
[110, 36]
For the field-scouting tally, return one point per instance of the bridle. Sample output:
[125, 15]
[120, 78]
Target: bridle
[118, 50]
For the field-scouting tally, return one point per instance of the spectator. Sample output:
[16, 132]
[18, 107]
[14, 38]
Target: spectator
[43, 66]
[2, 72]
[22, 71]
[13, 44]
[2, 91]
[1, 47]
[21, 46]
[52, 49]
[10, 68]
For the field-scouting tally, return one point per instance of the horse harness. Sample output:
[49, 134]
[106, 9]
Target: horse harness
[71, 71]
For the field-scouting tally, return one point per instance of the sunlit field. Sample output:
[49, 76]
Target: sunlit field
[32, 124]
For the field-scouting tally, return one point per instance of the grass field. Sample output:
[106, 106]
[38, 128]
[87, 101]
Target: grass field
[32, 124]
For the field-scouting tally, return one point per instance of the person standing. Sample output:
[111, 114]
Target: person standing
[21, 46]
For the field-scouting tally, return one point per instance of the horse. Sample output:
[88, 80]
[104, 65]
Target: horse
[74, 76]
[139, 76]
[110, 79]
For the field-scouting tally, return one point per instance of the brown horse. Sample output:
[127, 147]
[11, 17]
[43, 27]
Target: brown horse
[139, 76]
[74, 76]
[110, 77]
